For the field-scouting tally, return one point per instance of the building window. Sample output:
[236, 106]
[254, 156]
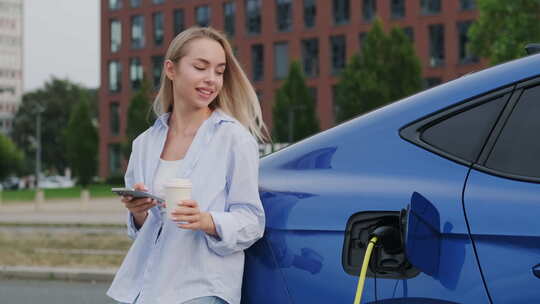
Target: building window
[397, 8]
[310, 13]
[436, 45]
[114, 121]
[157, 66]
[178, 21]
[284, 15]
[310, 57]
[257, 61]
[465, 56]
[114, 159]
[135, 3]
[7, 73]
[369, 9]
[10, 40]
[115, 76]
[158, 1]
[409, 32]
[281, 60]
[253, 16]
[430, 7]
[115, 5]
[338, 47]
[116, 35]
[467, 5]
[340, 9]
[8, 89]
[202, 15]
[158, 28]
[137, 32]
[135, 73]
[229, 11]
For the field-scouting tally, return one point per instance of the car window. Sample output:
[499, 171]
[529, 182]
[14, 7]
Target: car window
[464, 133]
[517, 150]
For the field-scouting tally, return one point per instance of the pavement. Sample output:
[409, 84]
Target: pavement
[62, 212]
[98, 211]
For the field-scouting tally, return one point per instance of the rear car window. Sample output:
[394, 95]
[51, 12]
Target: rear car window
[517, 150]
[464, 133]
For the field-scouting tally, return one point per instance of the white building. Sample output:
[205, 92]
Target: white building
[11, 61]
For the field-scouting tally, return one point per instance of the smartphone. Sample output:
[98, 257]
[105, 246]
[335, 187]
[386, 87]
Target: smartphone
[136, 194]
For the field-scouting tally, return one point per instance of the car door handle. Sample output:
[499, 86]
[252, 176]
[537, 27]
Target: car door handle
[536, 270]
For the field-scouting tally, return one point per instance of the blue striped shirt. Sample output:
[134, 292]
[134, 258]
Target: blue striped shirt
[176, 265]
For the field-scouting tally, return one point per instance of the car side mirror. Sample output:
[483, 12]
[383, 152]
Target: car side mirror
[422, 234]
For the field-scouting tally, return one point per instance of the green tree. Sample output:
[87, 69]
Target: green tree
[503, 28]
[57, 98]
[139, 116]
[82, 143]
[387, 69]
[11, 158]
[294, 110]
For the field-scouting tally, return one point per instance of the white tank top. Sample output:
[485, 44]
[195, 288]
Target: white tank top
[166, 170]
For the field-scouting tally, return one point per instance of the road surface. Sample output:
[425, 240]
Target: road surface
[53, 292]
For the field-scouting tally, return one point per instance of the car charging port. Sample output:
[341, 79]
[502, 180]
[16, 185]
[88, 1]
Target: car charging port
[388, 258]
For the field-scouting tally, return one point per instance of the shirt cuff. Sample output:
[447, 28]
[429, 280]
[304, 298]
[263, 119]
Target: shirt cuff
[132, 231]
[225, 242]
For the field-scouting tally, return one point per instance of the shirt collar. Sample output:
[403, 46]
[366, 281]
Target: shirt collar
[217, 117]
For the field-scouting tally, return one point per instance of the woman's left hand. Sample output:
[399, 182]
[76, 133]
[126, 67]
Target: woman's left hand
[188, 216]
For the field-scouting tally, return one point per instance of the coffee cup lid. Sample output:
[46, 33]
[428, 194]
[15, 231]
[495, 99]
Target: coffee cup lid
[178, 183]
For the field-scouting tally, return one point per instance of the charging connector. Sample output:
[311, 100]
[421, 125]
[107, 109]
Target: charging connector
[362, 277]
[390, 238]
[391, 241]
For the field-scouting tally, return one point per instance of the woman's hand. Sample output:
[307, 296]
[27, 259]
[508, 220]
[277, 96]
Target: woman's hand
[138, 206]
[188, 216]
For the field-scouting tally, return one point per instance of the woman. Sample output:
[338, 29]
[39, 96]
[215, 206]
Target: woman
[208, 113]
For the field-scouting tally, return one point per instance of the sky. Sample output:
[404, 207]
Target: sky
[61, 39]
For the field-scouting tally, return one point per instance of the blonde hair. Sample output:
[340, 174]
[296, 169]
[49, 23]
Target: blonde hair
[237, 97]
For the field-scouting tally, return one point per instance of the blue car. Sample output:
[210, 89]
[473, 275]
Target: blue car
[454, 171]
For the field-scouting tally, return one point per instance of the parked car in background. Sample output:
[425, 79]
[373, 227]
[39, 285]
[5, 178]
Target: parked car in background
[10, 183]
[56, 181]
[461, 161]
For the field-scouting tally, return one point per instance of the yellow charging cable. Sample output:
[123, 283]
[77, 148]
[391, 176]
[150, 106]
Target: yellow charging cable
[363, 272]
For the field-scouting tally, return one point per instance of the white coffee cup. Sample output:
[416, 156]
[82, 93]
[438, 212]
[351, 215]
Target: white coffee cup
[176, 190]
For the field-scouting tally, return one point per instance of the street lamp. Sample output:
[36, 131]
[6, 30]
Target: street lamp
[39, 109]
[40, 196]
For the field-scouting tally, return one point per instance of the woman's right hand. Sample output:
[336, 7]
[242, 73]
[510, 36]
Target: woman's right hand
[138, 206]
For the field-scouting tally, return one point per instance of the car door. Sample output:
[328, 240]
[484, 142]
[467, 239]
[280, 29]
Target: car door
[502, 201]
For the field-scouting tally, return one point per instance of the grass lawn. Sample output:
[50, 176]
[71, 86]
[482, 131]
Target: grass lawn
[97, 190]
[66, 249]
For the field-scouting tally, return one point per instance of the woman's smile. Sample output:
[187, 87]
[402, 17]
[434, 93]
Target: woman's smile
[205, 92]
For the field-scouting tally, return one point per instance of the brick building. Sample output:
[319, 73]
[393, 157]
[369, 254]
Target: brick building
[267, 35]
[11, 61]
